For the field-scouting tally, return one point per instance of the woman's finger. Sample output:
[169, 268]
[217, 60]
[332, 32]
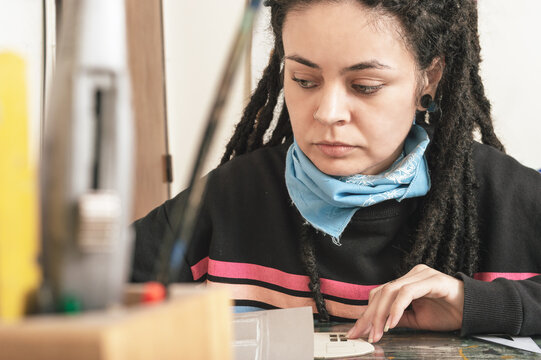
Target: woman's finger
[363, 325]
[359, 329]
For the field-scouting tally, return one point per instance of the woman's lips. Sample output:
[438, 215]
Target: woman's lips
[335, 149]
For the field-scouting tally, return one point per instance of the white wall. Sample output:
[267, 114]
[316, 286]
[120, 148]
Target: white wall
[21, 31]
[263, 41]
[509, 33]
[197, 36]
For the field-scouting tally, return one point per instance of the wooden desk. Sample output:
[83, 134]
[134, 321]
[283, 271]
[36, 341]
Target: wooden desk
[402, 344]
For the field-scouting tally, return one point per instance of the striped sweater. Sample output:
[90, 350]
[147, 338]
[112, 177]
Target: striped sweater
[247, 240]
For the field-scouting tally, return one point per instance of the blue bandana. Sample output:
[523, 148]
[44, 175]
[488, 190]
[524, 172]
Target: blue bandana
[329, 202]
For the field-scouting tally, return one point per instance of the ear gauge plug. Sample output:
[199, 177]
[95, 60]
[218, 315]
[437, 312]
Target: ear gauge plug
[427, 102]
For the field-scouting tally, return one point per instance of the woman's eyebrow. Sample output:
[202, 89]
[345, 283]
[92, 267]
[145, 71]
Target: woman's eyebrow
[371, 64]
[303, 61]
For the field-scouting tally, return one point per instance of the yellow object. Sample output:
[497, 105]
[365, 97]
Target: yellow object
[19, 272]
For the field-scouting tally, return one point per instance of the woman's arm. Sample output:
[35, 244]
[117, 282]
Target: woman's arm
[428, 299]
[162, 223]
[502, 306]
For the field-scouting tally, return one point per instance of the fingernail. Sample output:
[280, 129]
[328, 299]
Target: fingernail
[349, 333]
[387, 324]
[371, 337]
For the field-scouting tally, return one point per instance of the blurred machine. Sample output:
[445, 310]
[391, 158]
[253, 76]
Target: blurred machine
[87, 166]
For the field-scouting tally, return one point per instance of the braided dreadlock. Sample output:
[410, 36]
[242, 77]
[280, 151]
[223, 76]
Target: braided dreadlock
[446, 237]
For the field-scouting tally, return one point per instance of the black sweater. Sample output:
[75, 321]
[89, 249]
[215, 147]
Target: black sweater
[247, 239]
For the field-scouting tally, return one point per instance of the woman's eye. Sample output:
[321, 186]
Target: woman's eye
[305, 84]
[365, 89]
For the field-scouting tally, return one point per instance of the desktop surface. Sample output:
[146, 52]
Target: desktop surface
[402, 344]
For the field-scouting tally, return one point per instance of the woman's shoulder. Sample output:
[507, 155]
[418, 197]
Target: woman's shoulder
[263, 162]
[245, 174]
[489, 159]
[498, 170]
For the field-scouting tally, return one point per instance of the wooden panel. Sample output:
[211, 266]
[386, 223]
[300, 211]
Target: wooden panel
[194, 324]
[145, 47]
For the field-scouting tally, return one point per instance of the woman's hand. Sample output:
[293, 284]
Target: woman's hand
[437, 303]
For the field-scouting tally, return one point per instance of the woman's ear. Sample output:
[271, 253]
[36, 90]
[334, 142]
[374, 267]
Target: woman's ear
[431, 78]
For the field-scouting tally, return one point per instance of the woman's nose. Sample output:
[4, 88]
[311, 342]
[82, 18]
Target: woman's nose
[332, 108]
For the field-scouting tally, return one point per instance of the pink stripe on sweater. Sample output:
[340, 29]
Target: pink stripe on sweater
[300, 282]
[489, 276]
[280, 278]
[200, 269]
[346, 290]
[258, 272]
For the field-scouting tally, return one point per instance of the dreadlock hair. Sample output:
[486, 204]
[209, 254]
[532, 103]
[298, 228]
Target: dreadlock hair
[446, 235]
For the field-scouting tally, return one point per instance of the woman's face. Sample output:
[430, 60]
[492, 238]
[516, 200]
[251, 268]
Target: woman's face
[349, 85]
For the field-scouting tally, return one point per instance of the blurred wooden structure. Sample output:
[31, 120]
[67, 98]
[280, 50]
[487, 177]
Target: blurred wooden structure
[146, 61]
[196, 323]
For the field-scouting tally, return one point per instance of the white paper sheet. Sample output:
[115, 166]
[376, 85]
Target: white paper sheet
[523, 343]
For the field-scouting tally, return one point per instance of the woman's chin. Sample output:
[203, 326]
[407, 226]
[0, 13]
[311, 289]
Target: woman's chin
[337, 168]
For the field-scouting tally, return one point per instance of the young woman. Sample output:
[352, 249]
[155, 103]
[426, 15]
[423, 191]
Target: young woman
[369, 199]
